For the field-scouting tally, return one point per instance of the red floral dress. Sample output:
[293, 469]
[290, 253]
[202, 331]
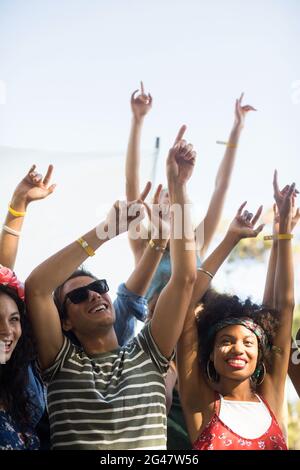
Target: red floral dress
[217, 436]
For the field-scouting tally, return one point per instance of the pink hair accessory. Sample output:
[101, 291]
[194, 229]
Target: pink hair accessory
[8, 278]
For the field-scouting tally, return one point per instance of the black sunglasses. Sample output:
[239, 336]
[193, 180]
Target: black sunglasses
[81, 294]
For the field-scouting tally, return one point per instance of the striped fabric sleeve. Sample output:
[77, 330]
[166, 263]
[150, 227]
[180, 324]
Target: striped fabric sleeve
[66, 351]
[147, 343]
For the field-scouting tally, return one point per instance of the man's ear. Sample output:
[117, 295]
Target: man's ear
[66, 325]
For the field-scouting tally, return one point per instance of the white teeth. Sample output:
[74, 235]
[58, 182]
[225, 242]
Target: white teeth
[99, 309]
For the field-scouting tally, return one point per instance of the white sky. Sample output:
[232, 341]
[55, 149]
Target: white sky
[67, 69]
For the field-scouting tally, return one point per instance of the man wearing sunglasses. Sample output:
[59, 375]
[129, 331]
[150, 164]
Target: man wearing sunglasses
[100, 395]
[130, 305]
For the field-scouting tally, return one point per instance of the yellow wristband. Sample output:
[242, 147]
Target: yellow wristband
[156, 247]
[285, 236]
[15, 213]
[228, 144]
[87, 248]
[280, 236]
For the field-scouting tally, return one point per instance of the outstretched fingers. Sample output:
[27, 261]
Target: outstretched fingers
[48, 175]
[275, 184]
[258, 229]
[240, 209]
[145, 192]
[257, 215]
[33, 167]
[157, 193]
[180, 134]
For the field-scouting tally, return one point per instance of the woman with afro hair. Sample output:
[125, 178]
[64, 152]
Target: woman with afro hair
[233, 355]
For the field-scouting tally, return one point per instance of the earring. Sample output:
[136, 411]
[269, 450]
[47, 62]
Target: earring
[257, 373]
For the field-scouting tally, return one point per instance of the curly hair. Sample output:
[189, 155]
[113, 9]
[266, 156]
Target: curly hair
[14, 374]
[217, 307]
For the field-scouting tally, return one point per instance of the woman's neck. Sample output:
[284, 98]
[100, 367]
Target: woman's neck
[236, 391]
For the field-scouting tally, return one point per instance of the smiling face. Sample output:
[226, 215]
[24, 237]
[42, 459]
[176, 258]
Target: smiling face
[235, 353]
[10, 327]
[90, 316]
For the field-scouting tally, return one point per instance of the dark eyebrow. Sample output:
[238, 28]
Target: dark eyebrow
[227, 336]
[15, 313]
[233, 337]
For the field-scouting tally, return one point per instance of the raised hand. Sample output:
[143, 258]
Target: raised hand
[294, 220]
[123, 213]
[279, 195]
[140, 104]
[286, 209]
[181, 160]
[159, 215]
[33, 187]
[243, 225]
[241, 111]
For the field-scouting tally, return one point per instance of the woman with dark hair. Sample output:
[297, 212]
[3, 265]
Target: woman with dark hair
[18, 410]
[233, 357]
[22, 401]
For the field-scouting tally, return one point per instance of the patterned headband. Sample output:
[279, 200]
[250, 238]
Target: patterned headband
[9, 279]
[244, 321]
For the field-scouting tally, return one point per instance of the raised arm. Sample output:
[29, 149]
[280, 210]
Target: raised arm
[172, 304]
[140, 106]
[284, 303]
[55, 270]
[196, 395]
[269, 299]
[141, 278]
[32, 188]
[208, 226]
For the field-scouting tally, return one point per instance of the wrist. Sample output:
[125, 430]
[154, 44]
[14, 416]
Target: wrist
[175, 186]
[237, 129]
[232, 238]
[285, 227]
[137, 120]
[19, 203]
[160, 238]
[157, 244]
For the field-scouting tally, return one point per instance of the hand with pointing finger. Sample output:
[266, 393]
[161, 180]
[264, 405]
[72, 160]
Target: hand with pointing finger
[123, 213]
[140, 104]
[241, 111]
[181, 160]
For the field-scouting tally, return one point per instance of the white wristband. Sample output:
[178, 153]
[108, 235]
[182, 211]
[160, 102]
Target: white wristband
[11, 231]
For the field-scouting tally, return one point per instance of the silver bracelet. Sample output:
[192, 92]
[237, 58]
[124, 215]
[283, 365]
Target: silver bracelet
[11, 231]
[206, 272]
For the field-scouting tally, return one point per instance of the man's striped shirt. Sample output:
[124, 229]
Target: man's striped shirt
[114, 400]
